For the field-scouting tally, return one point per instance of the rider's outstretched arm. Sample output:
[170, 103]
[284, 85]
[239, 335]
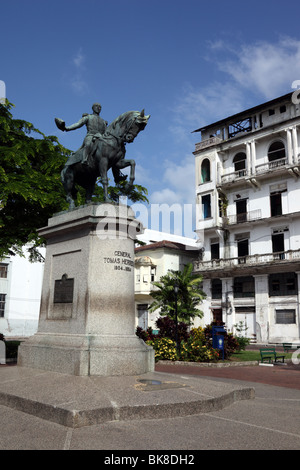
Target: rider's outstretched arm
[78, 124]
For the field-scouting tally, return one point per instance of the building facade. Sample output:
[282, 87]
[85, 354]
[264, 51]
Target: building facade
[248, 194]
[20, 295]
[154, 260]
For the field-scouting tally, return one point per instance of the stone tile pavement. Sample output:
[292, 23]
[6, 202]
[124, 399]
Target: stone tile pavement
[270, 420]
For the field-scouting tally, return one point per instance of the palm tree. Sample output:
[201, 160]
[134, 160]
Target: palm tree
[189, 295]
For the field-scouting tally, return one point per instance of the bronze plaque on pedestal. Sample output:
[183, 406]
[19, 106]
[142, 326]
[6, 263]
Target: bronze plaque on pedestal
[63, 290]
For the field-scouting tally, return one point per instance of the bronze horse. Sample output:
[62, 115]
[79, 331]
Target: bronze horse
[108, 152]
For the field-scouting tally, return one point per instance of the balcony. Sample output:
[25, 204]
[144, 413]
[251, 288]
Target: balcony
[270, 166]
[244, 175]
[207, 143]
[251, 261]
[249, 216]
[230, 177]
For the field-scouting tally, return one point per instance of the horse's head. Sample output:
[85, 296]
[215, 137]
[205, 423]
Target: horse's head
[128, 125]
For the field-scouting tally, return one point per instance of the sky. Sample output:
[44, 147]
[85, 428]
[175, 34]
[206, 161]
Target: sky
[187, 63]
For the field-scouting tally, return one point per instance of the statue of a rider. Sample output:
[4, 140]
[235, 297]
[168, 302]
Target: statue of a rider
[96, 127]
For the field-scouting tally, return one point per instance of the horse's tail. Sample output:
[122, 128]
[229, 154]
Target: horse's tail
[62, 174]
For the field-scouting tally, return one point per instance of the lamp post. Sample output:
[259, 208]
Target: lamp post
[176, 289]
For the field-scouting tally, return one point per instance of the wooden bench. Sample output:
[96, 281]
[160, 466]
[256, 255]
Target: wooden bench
[270, 354]
[288, 346]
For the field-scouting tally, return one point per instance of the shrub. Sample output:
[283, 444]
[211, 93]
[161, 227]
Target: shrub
[167, 329]
[196, 349]
[242, 342]
[195, 346]
[145, 335]
[165, 349]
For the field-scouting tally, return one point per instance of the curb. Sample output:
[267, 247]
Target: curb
[208, 364]
[77, 401]
[89, 417]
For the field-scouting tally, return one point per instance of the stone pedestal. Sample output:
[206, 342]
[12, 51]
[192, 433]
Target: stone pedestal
[87, 316]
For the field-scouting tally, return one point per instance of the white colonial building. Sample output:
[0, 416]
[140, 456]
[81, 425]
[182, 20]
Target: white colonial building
[248, 192]
[162, 252]
[20, 295]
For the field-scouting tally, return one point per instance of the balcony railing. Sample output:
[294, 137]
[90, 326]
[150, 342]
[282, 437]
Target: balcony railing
[207, 143]
[233, 176]
[271, 165]
[259, 170]
[249, 216]
[249, 260]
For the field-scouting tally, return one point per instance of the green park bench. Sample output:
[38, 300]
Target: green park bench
[270, 354]
[288, 346]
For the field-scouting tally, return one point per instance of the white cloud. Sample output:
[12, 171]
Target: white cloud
[78, 82]
[265, 67]
[79, 59]
[198, 107]
[165, 196]
[180, 184]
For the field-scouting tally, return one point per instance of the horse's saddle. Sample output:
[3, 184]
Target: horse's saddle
[75, 157]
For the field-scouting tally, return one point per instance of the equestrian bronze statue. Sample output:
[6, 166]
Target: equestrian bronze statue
[103, 149]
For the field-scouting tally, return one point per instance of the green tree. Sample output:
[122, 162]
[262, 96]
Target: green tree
[30, 186]
[189, 296]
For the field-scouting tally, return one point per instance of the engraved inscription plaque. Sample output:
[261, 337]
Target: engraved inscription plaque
[63, 290]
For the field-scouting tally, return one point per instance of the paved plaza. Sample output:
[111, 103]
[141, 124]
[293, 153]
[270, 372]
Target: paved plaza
[268, 421]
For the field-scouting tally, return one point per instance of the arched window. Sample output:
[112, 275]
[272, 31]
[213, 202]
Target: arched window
[239, 161]
[276, 151]
[205, 171]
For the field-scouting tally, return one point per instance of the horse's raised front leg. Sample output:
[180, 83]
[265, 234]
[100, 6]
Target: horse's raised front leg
[125, 163]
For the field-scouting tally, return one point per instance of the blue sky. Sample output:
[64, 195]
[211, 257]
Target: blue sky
[188, 63]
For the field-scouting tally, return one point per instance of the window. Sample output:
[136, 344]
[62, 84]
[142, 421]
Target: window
[282, 109]
[276, 205]
[2, 304]
[278, 245]
[243, 250]
[243, 287]
[215, 249]
[3, 270]
[283, 284]
[241, 210]
[206, 206]
[240, 163]
[153, 273]
[216, 289]
[276, 191]
[286, 316]
[205, 171]
[276, 152]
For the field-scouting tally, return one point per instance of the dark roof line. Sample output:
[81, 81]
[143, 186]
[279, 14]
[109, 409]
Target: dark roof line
[247, 111]
[161, 244]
